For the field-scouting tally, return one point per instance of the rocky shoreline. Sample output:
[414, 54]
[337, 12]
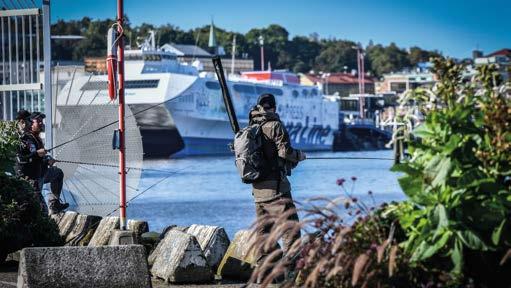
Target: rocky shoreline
[198, 255]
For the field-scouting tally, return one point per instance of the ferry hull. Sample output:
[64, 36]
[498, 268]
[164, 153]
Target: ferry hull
[207, 137]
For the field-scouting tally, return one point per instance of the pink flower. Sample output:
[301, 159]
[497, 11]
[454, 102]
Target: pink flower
[340, 181]
[353, 178]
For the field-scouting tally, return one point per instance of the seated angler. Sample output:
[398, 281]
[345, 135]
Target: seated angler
[48, 173]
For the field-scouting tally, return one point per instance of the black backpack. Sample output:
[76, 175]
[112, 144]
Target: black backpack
[248, 152]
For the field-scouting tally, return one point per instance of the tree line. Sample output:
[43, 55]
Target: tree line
[298, 54]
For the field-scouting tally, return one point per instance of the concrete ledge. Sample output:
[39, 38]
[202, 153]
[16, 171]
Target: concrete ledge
[100, 267]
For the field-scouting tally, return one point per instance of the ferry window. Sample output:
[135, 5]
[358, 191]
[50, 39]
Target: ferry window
[295, 93]
[244, 89]
[349, 105]
[129, 84]
[263, 90]
[152, 57]
[213, 85]
[132, 57]
[168, 57]
[94, 85]
[305, 92]
[314, 92]
[139, 84]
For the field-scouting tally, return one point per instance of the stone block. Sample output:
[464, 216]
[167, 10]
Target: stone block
[172, 227]
[65, 222]
[156, 250]
[100, 267]
[138, 226]
[123, 237]
[213, 241]
[103, 232]
[180, 260]
[239, 260]
[83, 225]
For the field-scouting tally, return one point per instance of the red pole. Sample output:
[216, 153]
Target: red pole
[122, 155]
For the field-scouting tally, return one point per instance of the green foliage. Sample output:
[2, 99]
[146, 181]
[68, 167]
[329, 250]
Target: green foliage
[22, 223]
[9, 141]
[299, 54]
[459, 202]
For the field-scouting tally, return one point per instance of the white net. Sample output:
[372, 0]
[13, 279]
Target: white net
[90, 165]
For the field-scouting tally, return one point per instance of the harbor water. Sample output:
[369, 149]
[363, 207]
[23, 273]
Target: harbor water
[208, 190]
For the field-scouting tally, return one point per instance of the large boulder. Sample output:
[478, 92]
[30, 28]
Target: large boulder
[213, 241]
[104, 231]
[239, 259]
[100, 267]
[83, 226]
[180, 260]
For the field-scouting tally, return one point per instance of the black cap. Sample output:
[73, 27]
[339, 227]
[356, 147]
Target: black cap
[267, 101]
[22, 114]
[36, 115]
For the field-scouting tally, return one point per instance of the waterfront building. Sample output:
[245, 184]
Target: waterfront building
[341, 84]
[401, 81]
[501, 58]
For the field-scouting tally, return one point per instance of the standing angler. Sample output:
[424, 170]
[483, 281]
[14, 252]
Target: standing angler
[272, 190]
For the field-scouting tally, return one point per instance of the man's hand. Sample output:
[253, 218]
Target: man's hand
[302, 156]
[51, 162]
[41, 152]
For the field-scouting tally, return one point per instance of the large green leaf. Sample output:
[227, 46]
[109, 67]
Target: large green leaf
[471, 240]
[443, 171]
[426, 250]
[413, 188]
[457, 256]
[423, 131]
[495, 236]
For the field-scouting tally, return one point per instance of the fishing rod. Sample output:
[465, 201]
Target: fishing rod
[219, 70]
[348, 158]
[114, 166]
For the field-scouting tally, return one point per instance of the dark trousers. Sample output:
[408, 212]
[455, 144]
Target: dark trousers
[55, 177]
[274, 209]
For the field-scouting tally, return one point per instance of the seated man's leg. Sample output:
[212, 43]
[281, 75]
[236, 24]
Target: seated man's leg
[55, 177]
[37, 185]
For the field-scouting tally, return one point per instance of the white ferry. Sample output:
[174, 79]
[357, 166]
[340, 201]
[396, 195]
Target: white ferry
[192, 119]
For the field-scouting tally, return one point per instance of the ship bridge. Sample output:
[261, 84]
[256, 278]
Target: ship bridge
[155, 61]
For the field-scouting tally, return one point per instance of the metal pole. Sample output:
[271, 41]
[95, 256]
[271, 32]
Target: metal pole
[47, 74]
[38, 60]
[10, 67]
[233, 54]
[4, 96]
[24, 61]
[31, 69]
[262, 58]
[122, 156]
[17, 52]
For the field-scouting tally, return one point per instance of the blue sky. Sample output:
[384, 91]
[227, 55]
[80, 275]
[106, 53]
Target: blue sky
[454, 27]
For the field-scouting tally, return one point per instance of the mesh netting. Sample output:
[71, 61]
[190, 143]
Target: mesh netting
[90, 165]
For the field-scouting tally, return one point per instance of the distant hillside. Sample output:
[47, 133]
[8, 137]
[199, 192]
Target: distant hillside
[299, 54]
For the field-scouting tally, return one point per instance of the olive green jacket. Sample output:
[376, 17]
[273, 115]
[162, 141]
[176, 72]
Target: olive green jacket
[277, 149]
